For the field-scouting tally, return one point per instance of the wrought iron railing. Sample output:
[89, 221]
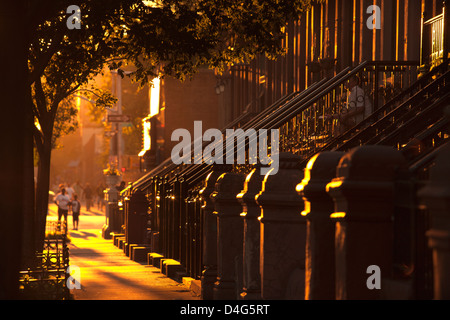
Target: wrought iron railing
[173, 190]
[312, 125]
[411, 95]
[308, 122]
[434, 40]
[47, 278]
[421, 110]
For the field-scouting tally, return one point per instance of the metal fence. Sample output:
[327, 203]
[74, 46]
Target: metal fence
[174, 191]
[433, 40]
[47, 278]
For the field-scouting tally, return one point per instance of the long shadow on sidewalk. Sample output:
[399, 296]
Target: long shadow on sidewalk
[108, 274]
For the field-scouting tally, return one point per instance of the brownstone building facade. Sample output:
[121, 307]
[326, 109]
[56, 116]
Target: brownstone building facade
[178, 106]
[343, 202]
[328, 38]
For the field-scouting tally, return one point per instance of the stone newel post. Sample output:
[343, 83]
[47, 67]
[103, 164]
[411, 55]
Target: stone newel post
[111, 198]
[251, 213]
[209, 274]
[229, 235]
[436, 196]
[363, 194]
[319, 264]
[136, 218]
[283, 232]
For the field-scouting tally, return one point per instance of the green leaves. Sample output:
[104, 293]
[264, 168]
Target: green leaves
[164, 37]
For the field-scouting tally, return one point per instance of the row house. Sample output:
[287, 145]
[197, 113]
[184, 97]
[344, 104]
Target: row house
[358, 208]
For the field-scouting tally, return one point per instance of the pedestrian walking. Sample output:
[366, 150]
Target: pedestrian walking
[78, 189]
[100, 196]
[62, 201]
[70, 191]
[76, 206]
[88, 193]
[121, 186]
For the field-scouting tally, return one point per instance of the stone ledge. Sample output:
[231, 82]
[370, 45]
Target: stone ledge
[115, 235]
[130, 249]
[170, 267]
[125, 248]
[117, 239]
[139, 253]
[121, 241]
[154, 258]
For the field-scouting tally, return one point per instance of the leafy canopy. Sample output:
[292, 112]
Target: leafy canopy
[161, 37]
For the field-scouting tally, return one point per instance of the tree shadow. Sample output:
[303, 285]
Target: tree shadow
[82, 234]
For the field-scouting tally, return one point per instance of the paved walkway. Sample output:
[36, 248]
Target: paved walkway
[106, 273]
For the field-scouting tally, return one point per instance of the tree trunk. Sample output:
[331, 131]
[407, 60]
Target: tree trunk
[28, 239]
[42, 189]
[13, 93]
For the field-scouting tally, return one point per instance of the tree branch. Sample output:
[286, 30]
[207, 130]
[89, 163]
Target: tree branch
[38, 138]
[40, 100]
[43, 60]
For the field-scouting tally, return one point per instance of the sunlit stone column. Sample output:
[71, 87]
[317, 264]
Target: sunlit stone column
[136, 218]
[111, 198]
[251, 211]
[283, 232]
[319, 264]
[209, 274]
[363, 193]
[229, 235]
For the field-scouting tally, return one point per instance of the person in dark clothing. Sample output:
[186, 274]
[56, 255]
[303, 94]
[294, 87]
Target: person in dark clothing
[121, 186]
[88, 193]
[76, 206]
[100, 196]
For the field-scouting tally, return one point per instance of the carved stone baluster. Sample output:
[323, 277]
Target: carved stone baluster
[436, 196]
[209, 274]
[319, 265]
[363, 193]
[251, 213]
[283, 232]
[229, 234]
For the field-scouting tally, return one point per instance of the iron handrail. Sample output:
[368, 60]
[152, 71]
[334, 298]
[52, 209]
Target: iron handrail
[416, 86]
[412, 122]
[195, 172]
[400, 108]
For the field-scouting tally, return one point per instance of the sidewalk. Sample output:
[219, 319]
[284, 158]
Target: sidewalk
[107, 273]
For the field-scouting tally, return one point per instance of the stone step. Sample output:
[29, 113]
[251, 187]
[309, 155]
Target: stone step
[139, 253]
[120, 243]
[115, 237]
[170, 267]
[154, 258]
